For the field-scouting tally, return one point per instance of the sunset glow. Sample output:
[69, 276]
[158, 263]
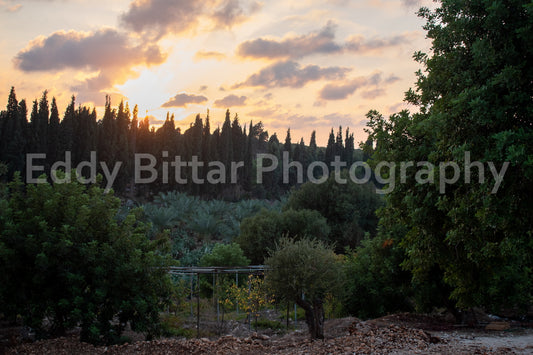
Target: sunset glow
[308, 65]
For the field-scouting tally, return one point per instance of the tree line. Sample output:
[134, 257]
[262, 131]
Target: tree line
[121, 133]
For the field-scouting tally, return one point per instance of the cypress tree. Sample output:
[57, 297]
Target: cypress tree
[67, 128]
[313, 147]
[41, 127]
[226, 144]
[287, 146]
[53, 134]
[330, 148]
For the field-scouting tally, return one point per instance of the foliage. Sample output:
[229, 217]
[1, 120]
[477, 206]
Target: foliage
[225, 255]
[250, 298]
[120, 134]
[305, 271]
[375, 283]
[260, 233]
[196, 225]
[349, 208]
[67, 260]
[474, 96]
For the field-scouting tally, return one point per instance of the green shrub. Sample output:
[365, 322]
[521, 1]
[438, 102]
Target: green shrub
[66, 258]
[375, 283]
[260, 233]
[349, 208]
[225, 255]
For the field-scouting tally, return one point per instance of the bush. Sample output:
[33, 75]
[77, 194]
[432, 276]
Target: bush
[349, 208]
[65, 258]
[260, 233]
[375, 283]
[225, 255]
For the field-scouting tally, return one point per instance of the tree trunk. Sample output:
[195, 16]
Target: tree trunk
[314, 317]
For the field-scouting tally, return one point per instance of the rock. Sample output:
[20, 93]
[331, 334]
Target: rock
[498, 326]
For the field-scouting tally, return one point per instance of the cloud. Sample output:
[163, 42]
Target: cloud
[93, 51]
[263, 113]
[157, 18]
[374, 85]
[373, 93]
[317, 42]
[201, 55]
[231, 100]
[155, 121]
[10, 8]
[411, 3]
[391, 79]
[362, 45]
[231, 12]
[107, 54]
[322, 41]
[339, 119]
[98, 98]
[341, 91]
[291, 74]
[398, 107]
[183, 99]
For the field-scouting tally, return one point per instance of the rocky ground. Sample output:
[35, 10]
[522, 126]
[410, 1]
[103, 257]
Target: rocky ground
[394, 334]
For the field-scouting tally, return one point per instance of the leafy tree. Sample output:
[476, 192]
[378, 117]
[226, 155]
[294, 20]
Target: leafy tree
[474, 96]
[348, 208]
[250, 298]
[375, 282]
[260, 233]
[225, 255]
[305, 271]
[66, 259]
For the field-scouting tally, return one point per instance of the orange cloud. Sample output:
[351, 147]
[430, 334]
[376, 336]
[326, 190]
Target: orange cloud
[183, 99]
[201, 55]
[106, 48]
[231, 100]
[109, 54]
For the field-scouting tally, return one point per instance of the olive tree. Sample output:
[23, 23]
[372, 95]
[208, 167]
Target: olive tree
[305, 271]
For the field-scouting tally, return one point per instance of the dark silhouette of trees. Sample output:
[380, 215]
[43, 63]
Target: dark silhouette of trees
[121, 134]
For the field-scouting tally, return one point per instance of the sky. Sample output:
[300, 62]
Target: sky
[299, 64]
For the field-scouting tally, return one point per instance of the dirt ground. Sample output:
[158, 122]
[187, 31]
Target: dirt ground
[393, 334]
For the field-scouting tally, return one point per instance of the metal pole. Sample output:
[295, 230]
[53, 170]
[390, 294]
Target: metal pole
[213, 294]
[237, 283]
[192, 311]
[295, 317]
[288, 308]
[198, 305]
[216, 298]
[249, 305]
